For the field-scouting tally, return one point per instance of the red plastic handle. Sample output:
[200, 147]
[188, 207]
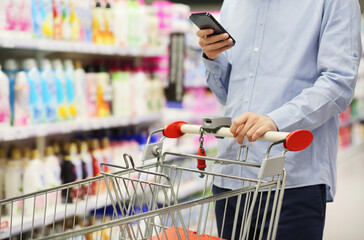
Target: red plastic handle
[173, 130]
[201, 163]
[298, 140]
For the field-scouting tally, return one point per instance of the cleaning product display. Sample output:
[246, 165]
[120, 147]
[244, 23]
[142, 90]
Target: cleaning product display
[62, 91]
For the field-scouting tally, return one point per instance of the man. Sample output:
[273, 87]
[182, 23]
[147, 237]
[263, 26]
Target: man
[294, 66]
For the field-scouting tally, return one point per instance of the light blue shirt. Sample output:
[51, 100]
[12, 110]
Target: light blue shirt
[295, 61]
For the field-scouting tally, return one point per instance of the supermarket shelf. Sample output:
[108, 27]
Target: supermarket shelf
[23, 132]
[78, 47]
[62, 211]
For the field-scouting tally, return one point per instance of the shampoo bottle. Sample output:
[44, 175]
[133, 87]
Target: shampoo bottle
[21, 100]
[4, 100]
[49, 90]
[33, 181]
[62, 104]
[11, 69]
[70, 87]
[37, 109]
[80, 91]
[52, 174]
[2, 173]
[14, 182]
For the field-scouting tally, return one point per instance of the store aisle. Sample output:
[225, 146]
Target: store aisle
[345, 216]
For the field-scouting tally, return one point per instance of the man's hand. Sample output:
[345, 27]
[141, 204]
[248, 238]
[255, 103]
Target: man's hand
[213, 45]
[251, 125]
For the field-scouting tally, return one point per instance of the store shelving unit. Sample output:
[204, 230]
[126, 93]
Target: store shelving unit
[78, 47]
[42, 130]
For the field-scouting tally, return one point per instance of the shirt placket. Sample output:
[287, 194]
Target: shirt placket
[254, 62]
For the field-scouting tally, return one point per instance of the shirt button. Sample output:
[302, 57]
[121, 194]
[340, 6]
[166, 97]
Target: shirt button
[260, 24]
[256, 49]
[246, 100]
[251, 75]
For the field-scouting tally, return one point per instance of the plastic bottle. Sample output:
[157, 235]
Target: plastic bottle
[109, 37]
[107, 151]
[86, 158]
[2, 173]
[37, 109]
[70, 87]
[4, 100]
[75, 22]
[24, 17]
[21, 100]
[57, 19]
[66, 20]
[68, 175]
[98, 24]
[75, 159]
[42, 18]
[62, 103]
[11, 69]
[104, 92]
[91, 89]
[117, 91]
[84, 14]
[52, 169]
[52, 175]
[49, 90]
[121, 21]
[80, 91]
[33, 181]
[139, 82]
[97, 159]
[13, 181]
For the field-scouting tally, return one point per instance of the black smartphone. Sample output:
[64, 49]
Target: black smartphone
[206, 21]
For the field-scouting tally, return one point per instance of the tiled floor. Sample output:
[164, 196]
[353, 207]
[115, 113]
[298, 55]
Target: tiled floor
[345, 216]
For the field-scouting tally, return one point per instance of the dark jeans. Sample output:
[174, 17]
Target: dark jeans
[302, 214]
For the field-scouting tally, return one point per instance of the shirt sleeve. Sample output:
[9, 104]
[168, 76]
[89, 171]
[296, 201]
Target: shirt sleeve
[339, 55]
[218, 70]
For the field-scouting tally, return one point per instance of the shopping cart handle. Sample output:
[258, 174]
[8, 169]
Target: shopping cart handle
[293, 141]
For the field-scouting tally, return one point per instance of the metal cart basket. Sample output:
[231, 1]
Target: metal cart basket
[151, 201]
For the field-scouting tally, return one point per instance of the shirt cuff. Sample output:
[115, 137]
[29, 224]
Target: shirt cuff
[283, 121]
[213, 66]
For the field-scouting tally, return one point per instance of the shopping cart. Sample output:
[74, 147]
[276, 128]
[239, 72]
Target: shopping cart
[152, 201]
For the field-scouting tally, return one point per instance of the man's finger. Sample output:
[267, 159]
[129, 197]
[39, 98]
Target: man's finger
[204, 32]
[218, 45]
[237, 122]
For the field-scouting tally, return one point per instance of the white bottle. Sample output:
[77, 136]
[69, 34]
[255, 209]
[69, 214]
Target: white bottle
[87, 159]
[139, 82]
[76, 160]
[2, 172]
[121, 20]
[80, 91]
[14, 182]
[69, 71]
[33, 181]
[37, 109]
[11, 69]
[21, 100]
[52, 175]
[52, 169]
[62, 103]
[4, 100]
[49, 90]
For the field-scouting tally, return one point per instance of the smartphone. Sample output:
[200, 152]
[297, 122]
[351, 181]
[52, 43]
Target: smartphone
[206, 21]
